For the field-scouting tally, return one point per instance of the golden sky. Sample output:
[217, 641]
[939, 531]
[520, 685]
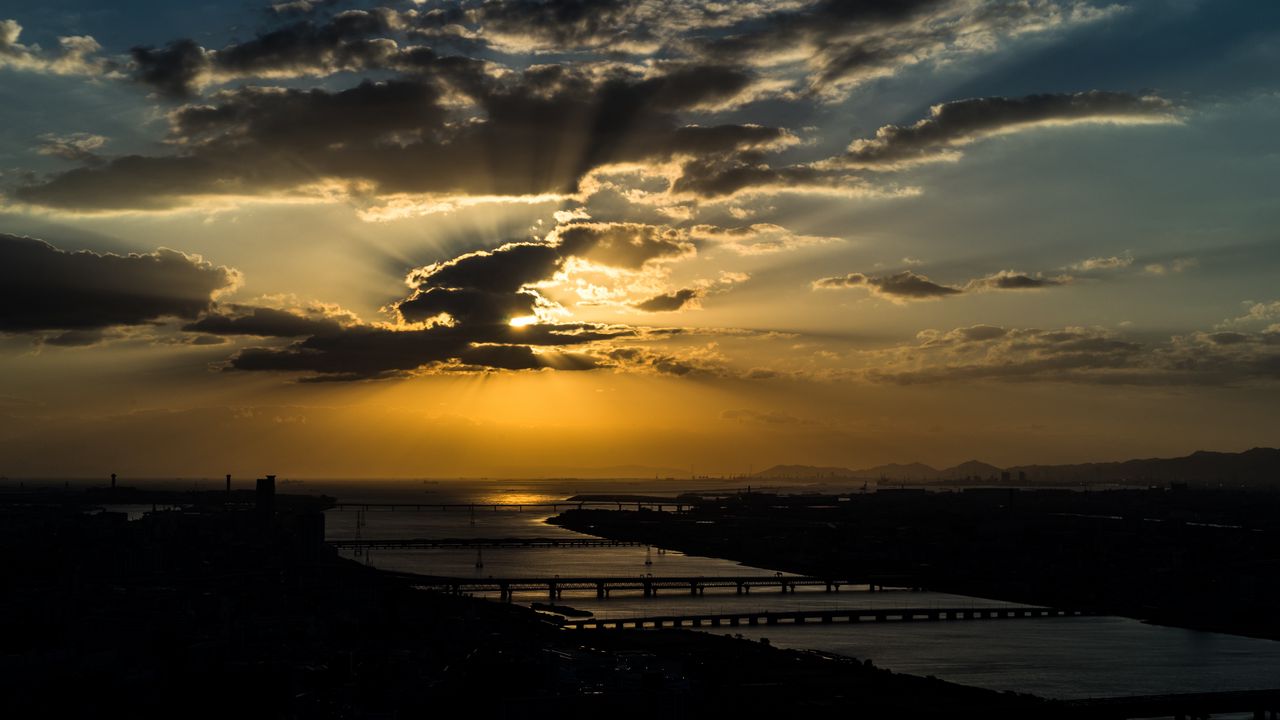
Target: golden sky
[436, 239]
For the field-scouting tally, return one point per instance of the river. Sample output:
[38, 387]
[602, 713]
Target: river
[1052, 657]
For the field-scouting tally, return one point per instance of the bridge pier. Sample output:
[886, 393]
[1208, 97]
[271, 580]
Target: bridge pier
[601, 593]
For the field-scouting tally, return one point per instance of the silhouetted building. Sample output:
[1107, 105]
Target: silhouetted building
[266, 496]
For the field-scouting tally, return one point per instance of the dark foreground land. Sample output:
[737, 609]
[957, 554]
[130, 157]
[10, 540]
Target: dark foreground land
[232, 610]
[1204, 559]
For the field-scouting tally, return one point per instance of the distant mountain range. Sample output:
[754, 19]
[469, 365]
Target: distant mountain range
[1251, 467]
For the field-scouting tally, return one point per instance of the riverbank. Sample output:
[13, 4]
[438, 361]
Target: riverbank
[1176, 559]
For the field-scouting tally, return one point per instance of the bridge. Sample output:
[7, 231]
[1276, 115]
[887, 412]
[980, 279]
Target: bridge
[650, 585]
[465, 543]
[800, 617]
[554, 506]
[1261, 703]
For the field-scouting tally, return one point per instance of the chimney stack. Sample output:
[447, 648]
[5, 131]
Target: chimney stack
[113, 481]
[228, 484]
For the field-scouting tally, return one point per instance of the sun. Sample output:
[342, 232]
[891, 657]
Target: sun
[525, 320]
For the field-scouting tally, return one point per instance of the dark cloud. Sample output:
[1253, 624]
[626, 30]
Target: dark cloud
[77, 147]
[818, 23]
[1011, 280]
[722, 174]
[459, 313]
[505, 269]
[76, 338]
[658, 362]
[905, 285]
[295, 8]
[44, 288]
[563, 24]
[908, 285]
[1227, 338]
[521, 357]
[492, 286]
[847, 43]
[1018, 282]
[372, 352]
[954, 124]
[621, 244]
[263, 322]
[538, 132]
[467, 305]
[345, 41]
[669, 302]
[173, 70]
[950, 126]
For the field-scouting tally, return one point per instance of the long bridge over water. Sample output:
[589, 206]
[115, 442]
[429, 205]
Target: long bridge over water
[800, 617]
[649, 585]
[553, 506]
[477, 543]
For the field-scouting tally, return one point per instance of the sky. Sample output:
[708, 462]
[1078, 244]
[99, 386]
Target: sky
[523, 238]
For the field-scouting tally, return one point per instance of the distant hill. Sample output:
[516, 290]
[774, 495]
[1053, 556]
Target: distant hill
[1252, 467]
[1259, 466]
[972, 468]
